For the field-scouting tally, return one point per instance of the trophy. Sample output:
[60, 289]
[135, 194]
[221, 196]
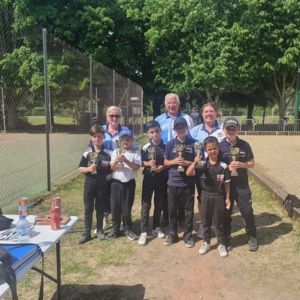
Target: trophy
[180, 149]
[152, 156]
[93, 157]
[120, 150]
[198, 150]
[234, 151]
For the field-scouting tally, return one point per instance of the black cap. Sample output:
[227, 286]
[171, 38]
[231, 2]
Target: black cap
[231, 121]
[180, 121]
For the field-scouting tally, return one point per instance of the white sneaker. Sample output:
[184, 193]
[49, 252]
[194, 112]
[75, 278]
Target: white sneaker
[200, 233]
[106, 226]
[95, 231]
[122, 227]
[222, 250]
[157, 232]
[204, 248]
[143, 239]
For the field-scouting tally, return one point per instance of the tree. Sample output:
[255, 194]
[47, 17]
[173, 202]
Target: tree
[185, 46]
[268, 33]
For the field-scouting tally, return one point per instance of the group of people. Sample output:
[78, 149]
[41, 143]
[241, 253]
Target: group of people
[173, 168]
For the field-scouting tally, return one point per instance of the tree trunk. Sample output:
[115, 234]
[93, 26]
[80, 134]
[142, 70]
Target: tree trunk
[250, 106]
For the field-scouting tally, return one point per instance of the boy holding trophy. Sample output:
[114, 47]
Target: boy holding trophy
[95, 165]
[179, 154]
[238, 155]
[125, 162]
[154, 181]
[215, 181]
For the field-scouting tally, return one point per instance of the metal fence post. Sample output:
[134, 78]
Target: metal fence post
[114, 87]
[296, 107]
[47, 110]
[91, 91]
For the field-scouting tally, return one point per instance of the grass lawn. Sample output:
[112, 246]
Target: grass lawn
[41, 120]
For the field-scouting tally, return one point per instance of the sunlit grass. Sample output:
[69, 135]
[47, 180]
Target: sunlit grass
[41, 120]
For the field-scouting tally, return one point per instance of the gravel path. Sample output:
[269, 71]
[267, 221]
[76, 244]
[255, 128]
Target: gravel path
[278, 157]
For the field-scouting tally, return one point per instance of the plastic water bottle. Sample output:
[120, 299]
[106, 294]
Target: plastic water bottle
[23, 230]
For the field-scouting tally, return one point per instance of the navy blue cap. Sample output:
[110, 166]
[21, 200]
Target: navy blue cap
[180, 121]
[125, 132]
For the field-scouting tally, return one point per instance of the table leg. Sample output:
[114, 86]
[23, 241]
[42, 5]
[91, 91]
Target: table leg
[58, 268]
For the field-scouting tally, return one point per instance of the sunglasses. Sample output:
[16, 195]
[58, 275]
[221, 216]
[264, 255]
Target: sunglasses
[115, 116]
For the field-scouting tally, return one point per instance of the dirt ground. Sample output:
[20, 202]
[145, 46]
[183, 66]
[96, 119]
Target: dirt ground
[176, 272]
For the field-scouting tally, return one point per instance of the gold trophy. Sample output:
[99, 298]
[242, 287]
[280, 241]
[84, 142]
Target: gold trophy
[198, 150]
[152, 156]
[180, 150]
[120, 150]
[234, 151]
[93, 157]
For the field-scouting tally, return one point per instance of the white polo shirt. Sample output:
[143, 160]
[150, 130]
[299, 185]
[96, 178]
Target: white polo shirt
[126, 173]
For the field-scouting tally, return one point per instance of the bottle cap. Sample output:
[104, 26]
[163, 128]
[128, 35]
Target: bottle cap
[22, 217]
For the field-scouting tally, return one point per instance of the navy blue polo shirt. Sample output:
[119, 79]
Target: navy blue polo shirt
[245, 155]
[180, 179]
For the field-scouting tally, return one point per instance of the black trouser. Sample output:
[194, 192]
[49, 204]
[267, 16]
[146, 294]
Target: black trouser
[186, 196]
[199, 189]
[165, 208]
[107, 199]
[213, 206]
[121, 201]
[93, 195]
[151, 184]
[244, 201]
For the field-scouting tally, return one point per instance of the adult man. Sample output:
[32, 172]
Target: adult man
[196, 117]
[166, 122]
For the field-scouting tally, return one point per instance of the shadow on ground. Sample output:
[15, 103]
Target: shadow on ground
[269, 228]
[101, 292]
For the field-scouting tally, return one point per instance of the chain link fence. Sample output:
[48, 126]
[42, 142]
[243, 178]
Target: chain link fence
[49, 94]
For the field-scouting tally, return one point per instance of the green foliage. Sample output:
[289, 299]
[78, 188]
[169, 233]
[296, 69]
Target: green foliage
[214, 47]
[38, 111]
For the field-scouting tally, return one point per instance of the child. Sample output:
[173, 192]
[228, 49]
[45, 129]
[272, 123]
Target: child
[215, 178]
[155, 180]
[96, 170]
[239, 185]
[181, 187]
[125, 167]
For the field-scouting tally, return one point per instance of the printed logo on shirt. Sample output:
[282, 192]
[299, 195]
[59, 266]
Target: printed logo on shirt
[242, 153]
[104, 163]
[188, 149]
[220, 177]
